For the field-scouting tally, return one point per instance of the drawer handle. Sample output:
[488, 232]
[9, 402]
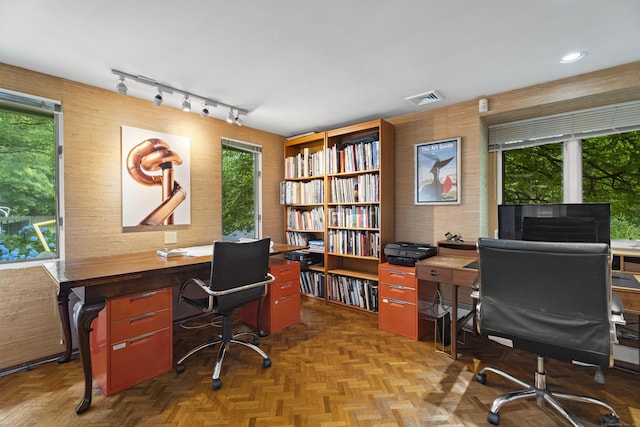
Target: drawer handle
[142, 337]
[402, 273]
[141, 317]
[398, 287]
[145, 295]
[434, 272]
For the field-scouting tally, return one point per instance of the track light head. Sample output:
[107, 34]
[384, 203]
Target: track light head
[121, 86]
[230, 117]
[186, 104]
[157, 100]
[205, 110]
[237, 119]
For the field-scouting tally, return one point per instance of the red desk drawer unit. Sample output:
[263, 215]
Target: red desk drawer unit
[132, 340]
[282, 304]
[398, 301]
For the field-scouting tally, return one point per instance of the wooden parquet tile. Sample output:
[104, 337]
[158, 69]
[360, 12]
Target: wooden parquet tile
[334, 369]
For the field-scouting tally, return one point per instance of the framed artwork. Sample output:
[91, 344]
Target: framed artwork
[437, 172]
[156, 179]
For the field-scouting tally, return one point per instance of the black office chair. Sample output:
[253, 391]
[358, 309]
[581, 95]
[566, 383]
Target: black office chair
[551, 299]
[239, 275]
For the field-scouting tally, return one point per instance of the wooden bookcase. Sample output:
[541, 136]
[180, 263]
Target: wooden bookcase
[303, 193]
[358, 206]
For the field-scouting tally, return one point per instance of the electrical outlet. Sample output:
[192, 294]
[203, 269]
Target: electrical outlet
[170, 237]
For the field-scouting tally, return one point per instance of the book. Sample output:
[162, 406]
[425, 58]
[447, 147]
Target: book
[170, 253]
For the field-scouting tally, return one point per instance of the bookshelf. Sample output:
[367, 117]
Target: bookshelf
[346, 203]
[303, 193]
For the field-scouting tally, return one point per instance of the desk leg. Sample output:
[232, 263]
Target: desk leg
[454, 322]
[83, 315]
[63, 311]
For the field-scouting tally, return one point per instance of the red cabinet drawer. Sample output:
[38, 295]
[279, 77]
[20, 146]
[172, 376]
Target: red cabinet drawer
[398, 317]
[279, 289]
[139, 325]
[285, 311]
[135, 304]
[398, 275]
[138, 359]
[398, 292]
[284, 270]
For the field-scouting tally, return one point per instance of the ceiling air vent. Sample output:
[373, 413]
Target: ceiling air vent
[425, 98]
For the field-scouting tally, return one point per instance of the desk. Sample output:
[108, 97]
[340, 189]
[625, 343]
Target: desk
[449, 269]
[96, 279]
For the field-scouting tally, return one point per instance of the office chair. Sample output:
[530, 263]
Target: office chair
[239, 275]
[548, 298]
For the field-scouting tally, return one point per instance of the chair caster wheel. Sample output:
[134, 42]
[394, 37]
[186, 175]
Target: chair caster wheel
[493, 418]
[216, 384]
[610, 420]
[266, 363]
[256, 340]
[180, 368]
[481, 378]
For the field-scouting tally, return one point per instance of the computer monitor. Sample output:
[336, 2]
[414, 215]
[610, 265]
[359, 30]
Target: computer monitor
[556, 222]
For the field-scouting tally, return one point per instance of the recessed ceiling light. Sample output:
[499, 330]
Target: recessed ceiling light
[573, 56]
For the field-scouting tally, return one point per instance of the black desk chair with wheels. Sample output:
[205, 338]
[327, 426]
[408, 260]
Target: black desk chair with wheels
[551, 299]
[239, 275]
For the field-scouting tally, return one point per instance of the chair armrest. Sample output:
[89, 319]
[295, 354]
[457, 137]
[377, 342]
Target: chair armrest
[475, 289]
[270, 279]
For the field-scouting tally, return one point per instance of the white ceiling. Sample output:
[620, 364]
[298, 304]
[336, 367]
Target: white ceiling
[300, 66]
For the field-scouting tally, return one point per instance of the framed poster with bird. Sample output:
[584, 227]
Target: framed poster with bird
[437, 172]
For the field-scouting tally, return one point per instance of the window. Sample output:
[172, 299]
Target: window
[30, 159]
[588, 155]
[241, 190]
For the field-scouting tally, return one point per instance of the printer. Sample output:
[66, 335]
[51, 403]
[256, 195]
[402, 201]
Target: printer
[407, 253]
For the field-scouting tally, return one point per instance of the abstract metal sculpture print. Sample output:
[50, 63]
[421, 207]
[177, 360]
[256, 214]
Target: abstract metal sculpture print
[437, 172]
[155, 178]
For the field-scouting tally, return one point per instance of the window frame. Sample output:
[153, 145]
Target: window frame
[256, 150]
[26, 102]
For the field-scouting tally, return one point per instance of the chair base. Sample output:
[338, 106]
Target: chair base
[224, 340]
[541, 392]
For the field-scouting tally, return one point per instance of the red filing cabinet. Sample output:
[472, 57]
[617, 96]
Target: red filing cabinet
[398, 301]
[132, 340]
[282, 303]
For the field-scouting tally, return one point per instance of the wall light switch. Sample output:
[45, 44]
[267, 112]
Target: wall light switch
[170, 237]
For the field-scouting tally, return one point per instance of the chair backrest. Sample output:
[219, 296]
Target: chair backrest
[549, 298]
[236, 264]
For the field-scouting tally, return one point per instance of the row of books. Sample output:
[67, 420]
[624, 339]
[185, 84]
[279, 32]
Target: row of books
[353, 157]
[316, 245]
[298, 192]
[354, 242]
[298, 239]
[312, 283]
[361, 188]
[305, 219]
[304, 164]
[362, 293]
[354, 216]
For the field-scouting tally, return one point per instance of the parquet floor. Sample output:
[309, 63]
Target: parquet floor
[333, 369]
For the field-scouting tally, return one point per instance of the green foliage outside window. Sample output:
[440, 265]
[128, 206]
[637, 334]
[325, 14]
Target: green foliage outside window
[610, 167]
[27, 184]
[238, 180]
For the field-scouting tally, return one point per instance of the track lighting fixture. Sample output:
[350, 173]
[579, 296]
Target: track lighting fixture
[186, 104]
[122, 86]
[162, 90]
[205, 110]
[157, 100]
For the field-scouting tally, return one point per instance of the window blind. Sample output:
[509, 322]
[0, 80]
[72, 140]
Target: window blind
[240, 145]
[587, 123]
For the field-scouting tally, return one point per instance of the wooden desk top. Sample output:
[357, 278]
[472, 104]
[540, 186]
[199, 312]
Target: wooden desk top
[447, 261]
[96, 271]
